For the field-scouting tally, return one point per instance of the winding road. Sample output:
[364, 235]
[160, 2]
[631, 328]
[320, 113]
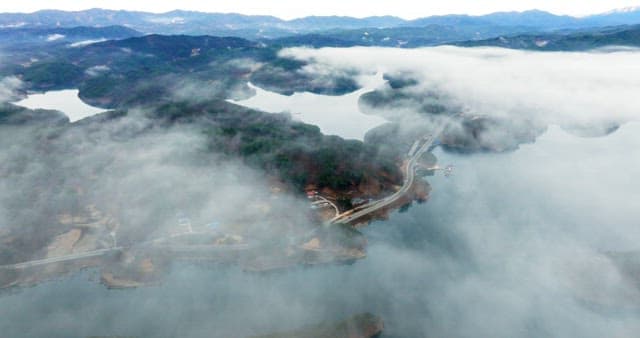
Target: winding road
[414, 154]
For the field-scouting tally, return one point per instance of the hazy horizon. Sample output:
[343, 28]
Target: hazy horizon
[359, 9]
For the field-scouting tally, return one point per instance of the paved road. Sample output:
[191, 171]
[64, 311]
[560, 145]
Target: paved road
[415, 153]
[60, 259]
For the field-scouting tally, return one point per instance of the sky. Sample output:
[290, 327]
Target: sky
[358, 8]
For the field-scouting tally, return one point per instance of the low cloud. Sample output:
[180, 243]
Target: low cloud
[97, 70]
[55, 37]
[504, 248]
[553, 88]
[140, 173]
[9, 87]
[85, 43]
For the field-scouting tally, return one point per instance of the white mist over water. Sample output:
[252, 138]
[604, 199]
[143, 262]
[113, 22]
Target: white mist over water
[551, 87]
[509, 246]
[66, 101]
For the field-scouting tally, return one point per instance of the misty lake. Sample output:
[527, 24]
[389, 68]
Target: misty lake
[66, 101]
[508, 246]
[334, 115]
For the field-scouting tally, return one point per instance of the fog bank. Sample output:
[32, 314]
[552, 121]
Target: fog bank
[554, 88]
[510, 246]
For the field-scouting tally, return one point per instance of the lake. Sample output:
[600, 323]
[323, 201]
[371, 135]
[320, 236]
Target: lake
[66, 101]
[510, 245]
[335, 115]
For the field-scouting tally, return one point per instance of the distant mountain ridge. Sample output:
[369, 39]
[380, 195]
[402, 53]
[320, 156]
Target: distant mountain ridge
[533, 19]
[403, 37]
[26, 37]
[264, 26]
[532, 29]
[581, 40]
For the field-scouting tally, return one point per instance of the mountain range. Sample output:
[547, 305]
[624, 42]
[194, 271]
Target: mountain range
[258, 27]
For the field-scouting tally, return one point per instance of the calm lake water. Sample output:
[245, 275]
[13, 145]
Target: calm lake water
[66, 101]
[335, 115]
[509, 246]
